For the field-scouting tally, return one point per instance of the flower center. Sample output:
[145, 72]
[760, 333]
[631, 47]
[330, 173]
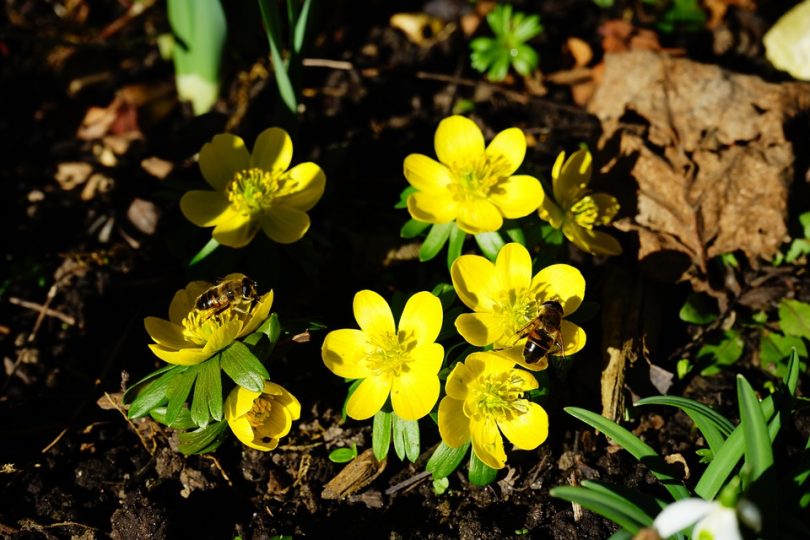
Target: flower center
[474, 178]
[586, 212]
[259, 414]
[388, 355]
[199, 325]
[253, 191]
[499, 396]
[515, 309]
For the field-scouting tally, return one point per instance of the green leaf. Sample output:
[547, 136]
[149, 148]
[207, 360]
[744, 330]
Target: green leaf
[758, 451]
[243, 368]
[449, 323]
[156, 394]
[798, 247]
[440, 485]
[406, 437]
[646, 507]
[690, 406]
[457, 239]
[301, 26]
[381, 434]
[445, 459]
[698, 309]
[272, 25]
[178, 394]
[608, 505]
[490, 244]
[207, 393]
[640, 450]
[134, 391]
[794, 318]
[262, 342]
[403, 197]
[514, 231]
[621, 534]
[182, 422]
[207, 250]
[435, 240]
[775, 348]
[721, 349]
[413, 228]
[480, 474]
[203, 440]
[446, 295]
[343, 455]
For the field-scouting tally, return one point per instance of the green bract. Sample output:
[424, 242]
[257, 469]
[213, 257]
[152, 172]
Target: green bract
[512, 31]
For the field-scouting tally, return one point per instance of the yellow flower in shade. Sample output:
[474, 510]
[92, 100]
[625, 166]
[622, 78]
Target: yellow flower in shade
[402, 362]
[191, 336]
[260, 419]
[505, 298]
[484, 399]
[254, 191]
[471, 184]
[578, 210]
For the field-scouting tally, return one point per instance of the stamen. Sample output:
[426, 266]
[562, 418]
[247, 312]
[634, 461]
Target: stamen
[475, 178]
[260, 412]
[387, 355]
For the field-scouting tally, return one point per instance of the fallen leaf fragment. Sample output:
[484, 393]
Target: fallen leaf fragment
[71, 174]
[359, 473]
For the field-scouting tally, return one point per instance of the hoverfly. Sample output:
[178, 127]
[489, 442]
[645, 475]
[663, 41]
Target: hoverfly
[219, 297]
[542, 333]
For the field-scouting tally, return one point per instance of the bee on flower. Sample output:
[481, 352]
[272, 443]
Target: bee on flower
[260, 419]
[471, 184]
[254, 191]
[485, 402]
[577, 209]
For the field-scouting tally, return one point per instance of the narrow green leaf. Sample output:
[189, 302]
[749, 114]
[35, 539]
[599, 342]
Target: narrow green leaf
[794, 318]
[208, 392]
[480, 474]
[349, 393]
[640, 450]
[791, 378]
[758, 451]
[604, 504]
[445, 459]
[178, 394]
[134, 390]
[381, 434]
[457, 238]
[691, 406]
[490, 244]
[272, 25]
[244, 368]
[301, 26]
[156, 394]
[202, 440]
[406, 438]
[714, 437]
[413, 228]
[640, 506]
[621, 534]
[207, 250]
[434, 242]
[182, 422]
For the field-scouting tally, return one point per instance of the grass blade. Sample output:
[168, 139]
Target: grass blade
[602, 503]
[690, 405]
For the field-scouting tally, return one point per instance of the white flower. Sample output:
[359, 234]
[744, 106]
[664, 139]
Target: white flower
[712, 520]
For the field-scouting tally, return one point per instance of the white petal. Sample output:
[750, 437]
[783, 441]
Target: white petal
[721, 524]
[680, 515]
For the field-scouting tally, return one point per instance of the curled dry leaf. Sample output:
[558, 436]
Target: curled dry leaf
[359, 473]
[707, 150]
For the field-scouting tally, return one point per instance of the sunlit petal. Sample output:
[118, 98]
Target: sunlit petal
[514, 269]
[479, 216]
[259, 314]
[223, 157]
[426, 174]
[562, 283]
[433, 208]
[454, 427]
[222, 336]
[574, 177]
[458, 382]
[426, 359]
[289, 401]
[487, 442]
[343, 352]
[517, 196]
[206, 208]
[285, 225]
[421, 319]
[573, 337]
[479, 329]
[591, 241]
[414, 393]
[183, 357]
[273, 151]
[476, 282]
[528, 430]
[549, 211]
[458, 139]
[236, 232]
[373, 314]
[510, 146]
[369, 397]
[239, 402]
[165, 333]
[303, 187]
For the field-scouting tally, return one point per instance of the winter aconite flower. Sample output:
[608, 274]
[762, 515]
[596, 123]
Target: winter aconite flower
[712, 519]
[578, 210]
[485, 397]
[505, 298]
[191, 336]
[471, 184]
[402, 362]
[254, 191]
[260, 419]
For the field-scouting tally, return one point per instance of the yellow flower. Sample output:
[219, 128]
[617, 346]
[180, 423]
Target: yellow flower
[485, 398]
[253, 191]
[260, 419]
[191, 336]
[470, 184]
[577, 209]
[505, 298]
[403, 363]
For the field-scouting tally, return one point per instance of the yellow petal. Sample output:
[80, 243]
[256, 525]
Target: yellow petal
[488, 363]
[517, 196]
[591, 241]
[562, 283]
[608, 207]
[206, 208]
[273, 151]
[510, 146]
[258, 444]
[478, 216]
[549, 211]
[573, 177]
[487, 442]
[242, 429]
[276, 424]
[236, 232]
[165, 333]
[426, 174]
[285, 225]
[479, 329]
[454, 427]
[223, 157]
[421, 319]
[528, 430]
[557, 168]
[258, 315]
[432, 208]
[373, 314]
[528, 380]
[183, 357]
[289, 401]
[239, 402]
[426, 359]
[457, 385]
[475, 282]
[369, 397]
[343, 352]
[573, 337]
[414, 393]
[222, 336]
[303, 187]
[514, 269]
[457, 140]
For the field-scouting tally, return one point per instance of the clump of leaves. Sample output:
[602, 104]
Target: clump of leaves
[512, 31]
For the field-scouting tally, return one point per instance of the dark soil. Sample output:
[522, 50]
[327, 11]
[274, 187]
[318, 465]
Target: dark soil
[74, 469]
